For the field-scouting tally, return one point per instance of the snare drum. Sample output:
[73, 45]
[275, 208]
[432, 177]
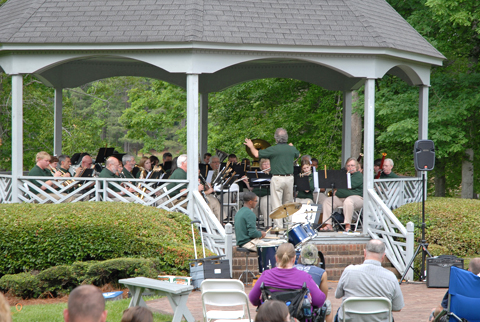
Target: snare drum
[297, 235]
[309, 230]
[266, 257]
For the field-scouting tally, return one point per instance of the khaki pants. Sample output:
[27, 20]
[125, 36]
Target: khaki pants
[321, 197]
[349, 204]
[214, 205]
[252, 245]
[281, 193]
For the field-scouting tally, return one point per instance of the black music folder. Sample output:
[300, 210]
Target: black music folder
[336, 179]
[103, 154]
[204, 168]
[302, 183]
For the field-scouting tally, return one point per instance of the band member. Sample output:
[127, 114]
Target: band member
[65, 164]
[281, 158]
[315, 163]
[206, 158]
[128, 165]
[112, 169]
[215, 165]
[387, 170]
[262, 192]
[53, 164]
[350, 199]
[306, 196]
[167, 156]
[232, 158]
[86, 164]
[146, 165]
[154, 160]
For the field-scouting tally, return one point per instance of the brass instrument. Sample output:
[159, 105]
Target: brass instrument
[295, 161]
[143, 175]
[52, 170]
[205, 185]
[221, 155]
[258, 144]
[66, 182]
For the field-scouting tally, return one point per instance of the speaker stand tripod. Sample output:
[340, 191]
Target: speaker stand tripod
[423, 245]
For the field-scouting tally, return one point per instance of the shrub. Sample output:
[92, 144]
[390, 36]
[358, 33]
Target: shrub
[112, 270]
[23, 284]
[36, 237]
[452, 225]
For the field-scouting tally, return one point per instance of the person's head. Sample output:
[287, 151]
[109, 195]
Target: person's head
[5, 314]
[351, 165]
[85, 304]
[264, 164]
[375, 250]
[182, 162]
[309, 254]
[87, 161]
[387, 166]
[360, 167]
[215, 162]
[128, 162]
[306, 158]
[65, 161]
[53, 162]
[137, 314]
[474, 266]
[281, 135]
[285, 255]
[250, 199]
[315, 163]
[273, 311]
[232, 158]
[42, 159]
[306, 166]
[206, 158]
[154, 160]
[145, 163]
[376, 165]
[112, 164]
[167, 156]
[119, 168]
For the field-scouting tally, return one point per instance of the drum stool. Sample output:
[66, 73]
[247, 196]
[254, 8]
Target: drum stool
[246, 271]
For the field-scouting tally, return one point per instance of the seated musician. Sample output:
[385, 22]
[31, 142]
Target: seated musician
[154, 161]
[86, 164]
[53, 164]
[65, 164]
[41, 169]
[315, 163]
[145, 166]
[232, 158]
[287, 277]
[387, 170]
[246, 233]
[306, 196]
[206, 158]
[350, 199]
[128, 165]
[215, 165]
[113, 168]
[262, 192]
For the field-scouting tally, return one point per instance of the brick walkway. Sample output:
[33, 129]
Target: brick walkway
[419, 301]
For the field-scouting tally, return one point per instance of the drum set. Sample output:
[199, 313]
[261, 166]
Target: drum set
[297, 234]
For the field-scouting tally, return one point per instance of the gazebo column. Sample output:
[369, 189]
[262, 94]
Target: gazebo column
[17, 134]
[192, 137]
[203, 124]
[369, 144]
[57, 132]
[347, 127]
[423, 113]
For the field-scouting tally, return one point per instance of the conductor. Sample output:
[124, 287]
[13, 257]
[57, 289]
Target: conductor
[281, 158]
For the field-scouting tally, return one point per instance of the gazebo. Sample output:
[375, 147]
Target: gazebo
[206, 46]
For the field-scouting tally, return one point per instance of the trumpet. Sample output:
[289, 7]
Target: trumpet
[52, 170]
[66, 182]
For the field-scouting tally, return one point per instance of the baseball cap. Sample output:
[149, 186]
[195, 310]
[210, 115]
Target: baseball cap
[309, 254]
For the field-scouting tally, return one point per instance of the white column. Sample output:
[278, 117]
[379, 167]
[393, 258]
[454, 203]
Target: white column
[57, 132]
[347, 127]
[192, 136]
[423, 113]
[203, 124]
[17, 134]
[368, 145]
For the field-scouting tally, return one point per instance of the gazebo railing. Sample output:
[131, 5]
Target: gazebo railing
[398, 192]
[5, 188]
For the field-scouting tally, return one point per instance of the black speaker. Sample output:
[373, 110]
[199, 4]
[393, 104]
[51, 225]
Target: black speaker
[424, 155]
[438, 269]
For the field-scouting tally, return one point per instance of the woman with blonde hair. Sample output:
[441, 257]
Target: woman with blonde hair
[287, 277]
[146, 164]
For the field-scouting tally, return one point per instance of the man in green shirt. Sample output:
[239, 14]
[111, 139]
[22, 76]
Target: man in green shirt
[112, 166]
[281, 158]
[387, 170]
[246, 234]
[128, 165]
[350, 199]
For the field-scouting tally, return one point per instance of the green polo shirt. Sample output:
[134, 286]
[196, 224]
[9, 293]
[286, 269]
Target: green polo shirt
[303, 194]
[180, 175]
[38, 172]
[281, 158]
[246, 226]
[388, 176]
[356, 181]
[127, 174]
[110, 175]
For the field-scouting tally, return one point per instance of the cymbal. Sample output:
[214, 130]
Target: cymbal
[285, 210]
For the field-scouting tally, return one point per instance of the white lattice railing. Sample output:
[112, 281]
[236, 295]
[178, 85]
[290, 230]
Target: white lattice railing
[5, 188]
[398, 192]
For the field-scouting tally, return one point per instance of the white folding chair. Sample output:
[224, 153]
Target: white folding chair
[362, 308]
[221, 284]
[225, 298]
[358, 214]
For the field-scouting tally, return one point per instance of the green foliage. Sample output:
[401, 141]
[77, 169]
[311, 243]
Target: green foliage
[36, 237]
[24, 285]
[112, 270]
[452, 225]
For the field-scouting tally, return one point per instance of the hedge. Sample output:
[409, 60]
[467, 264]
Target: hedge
[452, 225]
[37, 237]
[60, 280]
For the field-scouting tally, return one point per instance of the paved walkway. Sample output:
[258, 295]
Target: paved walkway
[419, 301]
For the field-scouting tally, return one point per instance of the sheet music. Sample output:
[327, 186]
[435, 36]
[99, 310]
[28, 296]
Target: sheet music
[349, 182]
[301, 217]
[315, 179]
[261, 180]
[209, 176]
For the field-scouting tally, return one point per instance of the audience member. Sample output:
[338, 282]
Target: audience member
[309, 260]
[5, 314]
[473, 267]
[137, 314]
[273, 311]
[85, 304]
[370, 279]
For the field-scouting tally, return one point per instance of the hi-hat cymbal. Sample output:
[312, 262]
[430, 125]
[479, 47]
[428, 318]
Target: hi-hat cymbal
[285, 210]
[277, 230]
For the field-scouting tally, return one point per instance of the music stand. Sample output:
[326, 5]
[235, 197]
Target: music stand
[103, 154]
[75, 158]
[261, 180]
[334, 179]
[204, 168]
[226, 185]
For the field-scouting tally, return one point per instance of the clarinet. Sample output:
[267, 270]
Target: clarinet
[205, 184]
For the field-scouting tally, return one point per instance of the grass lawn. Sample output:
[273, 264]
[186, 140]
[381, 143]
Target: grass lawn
[54, 312]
